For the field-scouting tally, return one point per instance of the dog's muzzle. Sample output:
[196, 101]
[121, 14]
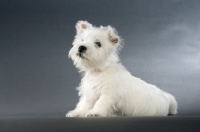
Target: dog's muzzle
[82, 49]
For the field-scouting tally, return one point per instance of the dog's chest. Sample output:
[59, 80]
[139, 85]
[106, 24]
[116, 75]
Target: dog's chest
[94, 84]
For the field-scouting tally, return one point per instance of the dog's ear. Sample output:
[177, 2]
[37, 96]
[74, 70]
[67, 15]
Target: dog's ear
[82, 25]
[113, 36]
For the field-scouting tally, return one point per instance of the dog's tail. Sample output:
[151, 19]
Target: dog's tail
[173, 105]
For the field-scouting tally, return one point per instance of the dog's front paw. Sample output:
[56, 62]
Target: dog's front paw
[74, 113]
[95, 114]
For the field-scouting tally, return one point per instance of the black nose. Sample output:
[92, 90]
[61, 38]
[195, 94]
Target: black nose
[81, 49]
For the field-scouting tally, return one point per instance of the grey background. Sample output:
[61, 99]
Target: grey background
[162, 46]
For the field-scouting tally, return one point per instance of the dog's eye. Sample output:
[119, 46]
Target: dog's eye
[98, 44]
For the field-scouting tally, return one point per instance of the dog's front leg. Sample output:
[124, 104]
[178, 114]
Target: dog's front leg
[81, 109]
[102, 107]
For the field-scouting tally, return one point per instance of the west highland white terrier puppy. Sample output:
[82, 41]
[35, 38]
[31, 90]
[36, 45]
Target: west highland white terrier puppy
[107, 88]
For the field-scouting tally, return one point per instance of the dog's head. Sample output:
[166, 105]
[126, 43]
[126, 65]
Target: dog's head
[94, 47]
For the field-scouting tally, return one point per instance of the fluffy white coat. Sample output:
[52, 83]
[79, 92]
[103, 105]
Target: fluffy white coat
[107, 88]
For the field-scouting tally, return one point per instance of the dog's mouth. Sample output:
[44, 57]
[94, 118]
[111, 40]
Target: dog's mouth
[81, 55]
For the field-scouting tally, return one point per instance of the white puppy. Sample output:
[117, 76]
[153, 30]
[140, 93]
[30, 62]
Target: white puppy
[107, 88]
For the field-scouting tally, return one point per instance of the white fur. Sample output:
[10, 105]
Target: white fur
[107, 88]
